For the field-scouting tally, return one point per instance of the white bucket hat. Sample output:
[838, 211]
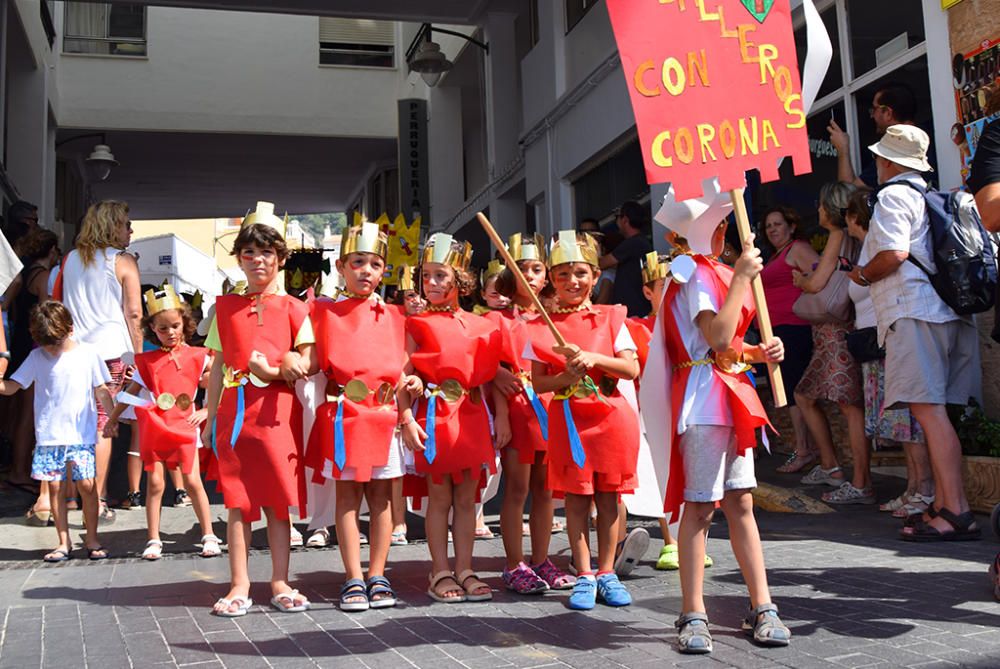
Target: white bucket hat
[904, 145]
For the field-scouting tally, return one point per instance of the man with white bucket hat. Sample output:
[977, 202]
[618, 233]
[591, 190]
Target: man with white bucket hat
[932, 354]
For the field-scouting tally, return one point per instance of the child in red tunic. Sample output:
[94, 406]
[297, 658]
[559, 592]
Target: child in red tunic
[715, 410]
[168, 424]
[257, 421]
[524, 460]
[455, 353]
[593, 431]
[361, 348]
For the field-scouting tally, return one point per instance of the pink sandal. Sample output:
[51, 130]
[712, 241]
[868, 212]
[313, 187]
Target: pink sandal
[523, 580]
[554, 576]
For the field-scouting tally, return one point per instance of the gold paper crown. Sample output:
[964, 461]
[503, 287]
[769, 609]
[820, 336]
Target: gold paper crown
[162, 299]
[438, 249]
[364, 238]
[264, 215]
[532, 248]
[406, 281]
[571, 246]
[494, 268]
[654, 267]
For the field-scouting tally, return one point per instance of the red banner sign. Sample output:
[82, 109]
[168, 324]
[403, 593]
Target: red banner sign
[715, 89]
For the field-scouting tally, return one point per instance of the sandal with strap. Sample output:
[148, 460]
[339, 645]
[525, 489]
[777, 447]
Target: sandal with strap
[463, 580]
[278, 602]
[795, 463]
[380, 593]
[693, 636]
[766, 628]
[354, 589]
[897, 502]
[915, 505]
[523, 580]
[961, 524]
[154, 550]
[555, 577]
[442, 597]
[211, 546]
[243, 605]
[57, 555]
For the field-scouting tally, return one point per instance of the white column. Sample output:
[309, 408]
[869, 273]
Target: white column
[444, 120]
[949, 161]
[503, 122]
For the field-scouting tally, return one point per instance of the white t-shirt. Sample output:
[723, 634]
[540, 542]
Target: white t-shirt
[65, 408]
[705, 396]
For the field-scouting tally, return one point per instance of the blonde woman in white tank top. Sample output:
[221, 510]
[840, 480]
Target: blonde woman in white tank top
[101, 289]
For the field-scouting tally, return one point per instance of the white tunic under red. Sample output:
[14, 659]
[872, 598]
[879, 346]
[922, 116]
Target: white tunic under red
[357, 339]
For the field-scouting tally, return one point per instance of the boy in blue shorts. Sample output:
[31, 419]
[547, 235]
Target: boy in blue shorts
[66, 375]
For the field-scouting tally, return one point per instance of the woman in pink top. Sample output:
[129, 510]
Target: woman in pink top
[788, 252]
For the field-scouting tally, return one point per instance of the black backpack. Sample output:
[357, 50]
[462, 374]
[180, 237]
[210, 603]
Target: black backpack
[966, 278]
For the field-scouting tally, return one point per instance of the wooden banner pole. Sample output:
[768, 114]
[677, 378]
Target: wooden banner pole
[757, 288]
[512, 266]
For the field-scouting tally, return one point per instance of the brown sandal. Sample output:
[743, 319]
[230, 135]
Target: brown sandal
[442, 597]
[477, 584]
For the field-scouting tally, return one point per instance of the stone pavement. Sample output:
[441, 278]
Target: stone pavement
[853, 595]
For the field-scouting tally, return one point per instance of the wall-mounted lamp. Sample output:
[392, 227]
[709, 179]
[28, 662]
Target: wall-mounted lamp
[424, 55]
[100, 162]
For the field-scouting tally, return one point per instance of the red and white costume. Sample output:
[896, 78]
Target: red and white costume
[362, 339]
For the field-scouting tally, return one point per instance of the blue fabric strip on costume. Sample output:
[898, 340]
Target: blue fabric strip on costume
[240, 411]
[215, 446]
[430, 447]
[339, 456]
[575, 445]
[540, 414]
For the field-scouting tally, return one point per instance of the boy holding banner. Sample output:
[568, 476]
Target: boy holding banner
[715, 411]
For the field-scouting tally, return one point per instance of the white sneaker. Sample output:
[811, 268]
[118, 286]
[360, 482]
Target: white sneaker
[632, 548]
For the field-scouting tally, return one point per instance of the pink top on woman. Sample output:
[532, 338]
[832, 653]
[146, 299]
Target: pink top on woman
[781, 292]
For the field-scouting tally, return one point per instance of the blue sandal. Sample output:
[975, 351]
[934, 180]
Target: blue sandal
[380, 593]
[354, 589]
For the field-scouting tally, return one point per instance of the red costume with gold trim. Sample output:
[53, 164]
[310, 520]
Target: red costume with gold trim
[264, 468]
[608, 426]
[361, 339]
[747, 410]
[165, 435]
[468, 349]
[517, 329]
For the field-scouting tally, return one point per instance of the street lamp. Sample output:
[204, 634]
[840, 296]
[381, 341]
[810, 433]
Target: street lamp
[424, 55]
[100, 162]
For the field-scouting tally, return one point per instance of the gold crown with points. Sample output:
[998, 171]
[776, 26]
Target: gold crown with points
[571, 246]
[526, 248]
[264, 215]
[494, 268]
[162, 299]
[655, 267]
[364, 238]
[439, 249]
[406, 281]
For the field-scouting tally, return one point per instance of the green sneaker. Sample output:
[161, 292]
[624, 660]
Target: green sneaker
[668, 560]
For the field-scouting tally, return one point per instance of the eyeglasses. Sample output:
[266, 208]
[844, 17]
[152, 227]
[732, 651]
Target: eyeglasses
[875, 108]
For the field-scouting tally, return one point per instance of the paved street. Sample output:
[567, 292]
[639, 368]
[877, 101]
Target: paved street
[853, 595]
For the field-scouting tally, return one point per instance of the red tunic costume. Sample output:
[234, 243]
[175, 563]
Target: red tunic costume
[361, 339]
[165, 435]
[608, 426]
[468, 349]
[641, 330]
[517, 329]
[264, 467]
[748, 412]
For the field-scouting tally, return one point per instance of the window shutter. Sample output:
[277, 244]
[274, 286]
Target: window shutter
[356, 31]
